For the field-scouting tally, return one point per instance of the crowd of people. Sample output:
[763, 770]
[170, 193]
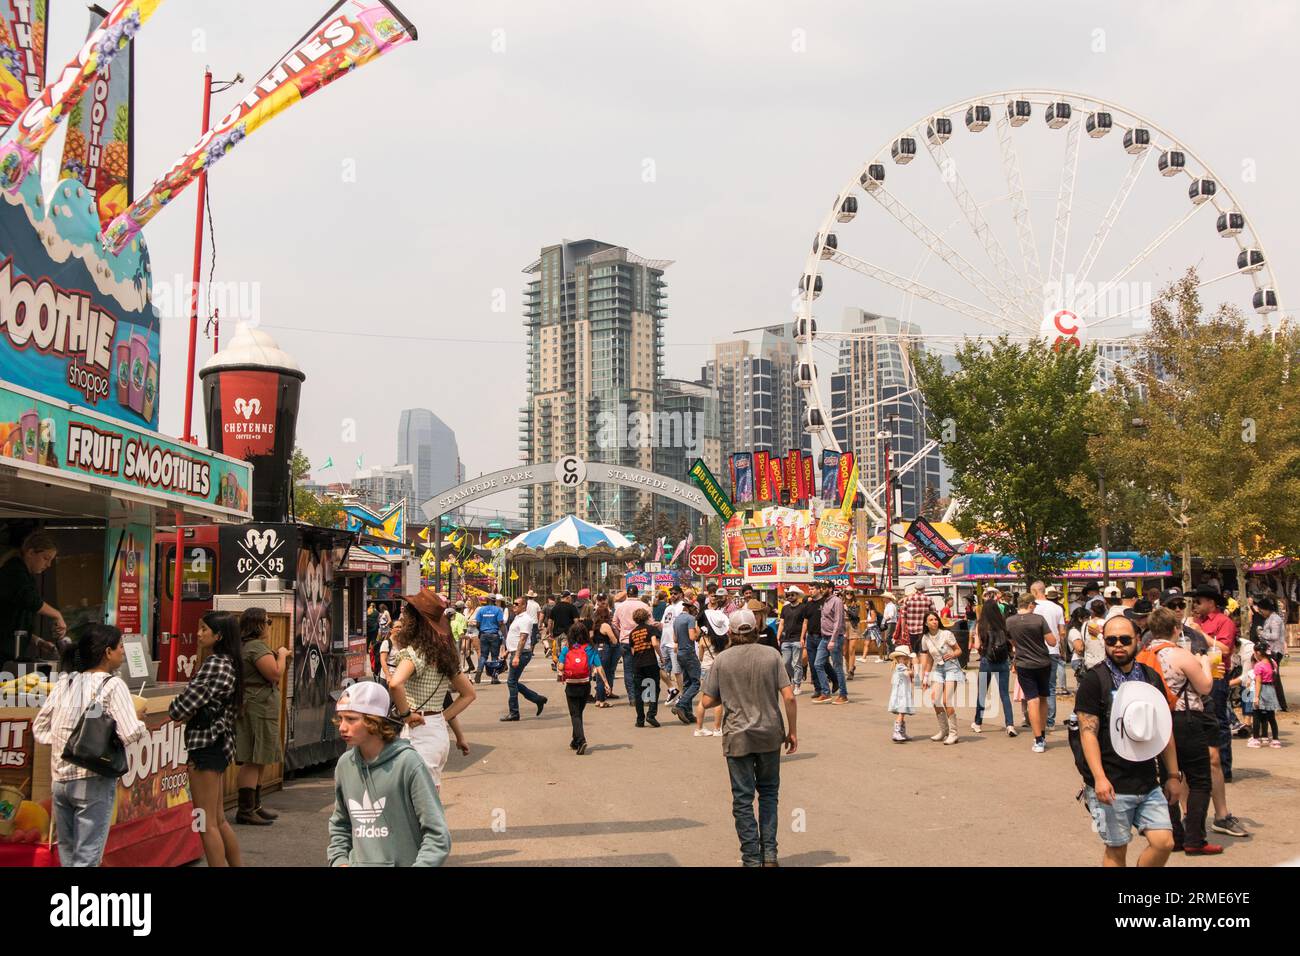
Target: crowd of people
[1159, 679]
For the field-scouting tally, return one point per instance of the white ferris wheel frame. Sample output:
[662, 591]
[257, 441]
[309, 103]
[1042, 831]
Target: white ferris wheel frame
[1015, 297]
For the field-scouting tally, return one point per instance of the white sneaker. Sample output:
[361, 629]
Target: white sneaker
[1040, 746]
[717, 733]
[1011, 731]
[976, 728]
[703, 733]
[898, 737]
[797, 690]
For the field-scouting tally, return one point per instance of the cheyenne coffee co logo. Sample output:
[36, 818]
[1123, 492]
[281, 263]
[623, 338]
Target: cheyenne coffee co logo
[60, 322]
[248, 406]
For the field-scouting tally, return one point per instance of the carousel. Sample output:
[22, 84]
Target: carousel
[569, 554]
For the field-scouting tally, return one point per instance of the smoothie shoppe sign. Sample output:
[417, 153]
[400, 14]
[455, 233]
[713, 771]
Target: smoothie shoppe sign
[77, 327]
[38, 435]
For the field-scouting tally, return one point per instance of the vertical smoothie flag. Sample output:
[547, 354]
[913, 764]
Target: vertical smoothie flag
[37, 123]
[100, 140]
[22, 55]
[350, 35]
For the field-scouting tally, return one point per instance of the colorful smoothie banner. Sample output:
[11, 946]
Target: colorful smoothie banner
[23, 29]
[64, 330]
[100, 142]
[37, 123]
[36, 433]
[744, 465]
[762, 477]
[127, 550]
[350, 35]
[705, 481]
[830, 476]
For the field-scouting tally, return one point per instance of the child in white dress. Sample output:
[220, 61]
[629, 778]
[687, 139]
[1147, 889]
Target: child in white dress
[900, 692]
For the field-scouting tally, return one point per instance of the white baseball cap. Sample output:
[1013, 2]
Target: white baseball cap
[365, 697]
[743, 620]
[1140, 722]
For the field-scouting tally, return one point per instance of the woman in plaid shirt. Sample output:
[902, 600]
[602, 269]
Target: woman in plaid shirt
[208, 707]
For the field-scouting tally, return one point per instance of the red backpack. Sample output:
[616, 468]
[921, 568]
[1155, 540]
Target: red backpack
[576, 666]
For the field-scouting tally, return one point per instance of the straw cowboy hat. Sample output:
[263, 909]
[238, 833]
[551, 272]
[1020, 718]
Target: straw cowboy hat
[903, 651]
[1141, 723]
[430, 607]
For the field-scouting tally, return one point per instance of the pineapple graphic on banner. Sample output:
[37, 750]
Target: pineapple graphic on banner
[99, 145]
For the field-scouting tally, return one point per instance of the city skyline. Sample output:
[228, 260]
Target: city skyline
[440, 270]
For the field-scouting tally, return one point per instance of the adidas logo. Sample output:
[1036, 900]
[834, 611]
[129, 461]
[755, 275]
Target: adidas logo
[365, 811]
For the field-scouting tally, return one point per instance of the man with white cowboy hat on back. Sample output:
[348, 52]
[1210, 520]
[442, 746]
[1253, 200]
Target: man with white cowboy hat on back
[1124, 724]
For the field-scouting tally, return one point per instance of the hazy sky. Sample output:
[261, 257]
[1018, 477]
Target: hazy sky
[510, 126]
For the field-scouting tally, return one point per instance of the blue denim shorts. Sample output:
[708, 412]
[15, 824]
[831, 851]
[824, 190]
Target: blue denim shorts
[1115, 823]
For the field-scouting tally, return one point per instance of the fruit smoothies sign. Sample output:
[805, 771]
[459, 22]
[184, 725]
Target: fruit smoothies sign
[97, 151]
[350, 35]
[40, 433]
[126, 558]
[22, 56]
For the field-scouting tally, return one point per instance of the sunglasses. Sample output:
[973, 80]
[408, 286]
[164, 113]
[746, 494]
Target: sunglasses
[1177, 605]
[1113, 641]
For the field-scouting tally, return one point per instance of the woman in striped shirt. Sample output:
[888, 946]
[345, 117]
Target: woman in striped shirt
[208, 707]
[83, 799]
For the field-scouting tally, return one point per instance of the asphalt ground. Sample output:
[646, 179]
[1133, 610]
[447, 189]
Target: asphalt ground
[849, 796]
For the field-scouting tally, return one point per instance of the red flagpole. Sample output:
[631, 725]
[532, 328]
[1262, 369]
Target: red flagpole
[178, 579]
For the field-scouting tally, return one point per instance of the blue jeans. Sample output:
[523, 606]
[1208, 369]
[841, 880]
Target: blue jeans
[516, 688]
[608, 661]
[835, 659]
[815, 642]
[489, 648]
[1223, 714]
[629, 672]
[83, 810]
[1003, 671]
[690, 665]
[755, 774]
[1062, 674]
[1051, 693]
[790, 653]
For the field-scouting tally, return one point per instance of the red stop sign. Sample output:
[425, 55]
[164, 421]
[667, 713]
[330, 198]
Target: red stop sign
[703, 559]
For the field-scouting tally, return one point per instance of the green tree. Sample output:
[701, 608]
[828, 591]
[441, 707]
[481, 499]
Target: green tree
[307, 507]
[1200, 441]
[1009, 424]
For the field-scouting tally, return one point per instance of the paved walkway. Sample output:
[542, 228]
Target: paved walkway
[849, 796]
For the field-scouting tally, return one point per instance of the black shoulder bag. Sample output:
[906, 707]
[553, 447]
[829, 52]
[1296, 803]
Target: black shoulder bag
[94, 744]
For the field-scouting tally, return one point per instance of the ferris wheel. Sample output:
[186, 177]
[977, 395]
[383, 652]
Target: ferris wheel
[951, 246]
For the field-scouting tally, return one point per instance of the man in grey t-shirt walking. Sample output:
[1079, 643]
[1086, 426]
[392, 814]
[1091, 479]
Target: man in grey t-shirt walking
[749, 680]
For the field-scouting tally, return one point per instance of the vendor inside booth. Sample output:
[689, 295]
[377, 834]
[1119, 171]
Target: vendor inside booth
[76, 548]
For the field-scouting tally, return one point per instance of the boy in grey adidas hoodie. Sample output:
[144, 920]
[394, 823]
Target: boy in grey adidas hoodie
[386, 808]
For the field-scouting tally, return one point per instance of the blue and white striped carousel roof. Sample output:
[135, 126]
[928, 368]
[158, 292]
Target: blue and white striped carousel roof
[572, 531]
